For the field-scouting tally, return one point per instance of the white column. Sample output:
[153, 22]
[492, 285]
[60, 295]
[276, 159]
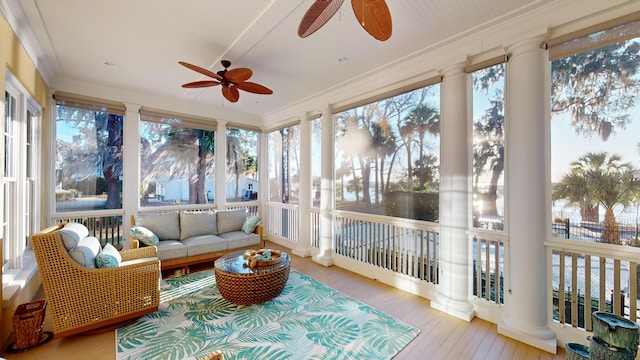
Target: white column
[303, 248]
[220, 180]
[263, 176]
[455, 174]
[131, 162]
[526, 143]
[327, 191]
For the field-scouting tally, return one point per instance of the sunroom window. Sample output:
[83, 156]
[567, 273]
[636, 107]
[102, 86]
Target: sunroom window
[284, 164]
[177, 164]
[387, 156]
[88, 166]
[242, 164]
[595, 170]
[595, 122]
[20, 175]
[488, 147]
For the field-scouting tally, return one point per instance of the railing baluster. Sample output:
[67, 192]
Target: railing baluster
[633, 291]
[478, 266]
[561, 288]
[616, 296]
[603, 284]
[497, 272]
[574, 290]
[587, 293]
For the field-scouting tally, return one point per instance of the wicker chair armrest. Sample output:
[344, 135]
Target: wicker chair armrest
[148, 264]
[139, 253]
[135, 244]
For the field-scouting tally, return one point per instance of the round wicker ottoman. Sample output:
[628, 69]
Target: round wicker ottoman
[240, 284]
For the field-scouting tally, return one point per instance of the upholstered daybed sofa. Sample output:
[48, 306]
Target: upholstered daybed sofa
[185, 238]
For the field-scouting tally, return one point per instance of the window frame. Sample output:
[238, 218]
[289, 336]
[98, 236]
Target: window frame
[88, 104]
[184, 122]
[258, 134]
[20, 215]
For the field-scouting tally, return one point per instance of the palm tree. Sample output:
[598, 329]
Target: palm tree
[425, 120]
[488, 150]
[384, 143]
[341, 172]
[601, 179]
[407, 131]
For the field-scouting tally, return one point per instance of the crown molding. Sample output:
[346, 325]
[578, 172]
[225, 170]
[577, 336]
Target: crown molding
[17, 19]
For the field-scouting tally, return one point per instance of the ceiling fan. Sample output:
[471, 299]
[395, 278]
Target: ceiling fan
[373, 16]
[230, 79]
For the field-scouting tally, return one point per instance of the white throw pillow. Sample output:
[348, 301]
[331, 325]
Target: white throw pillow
[86, 251]
[72, 233]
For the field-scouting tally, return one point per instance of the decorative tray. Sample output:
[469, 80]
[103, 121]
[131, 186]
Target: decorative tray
[262, 257]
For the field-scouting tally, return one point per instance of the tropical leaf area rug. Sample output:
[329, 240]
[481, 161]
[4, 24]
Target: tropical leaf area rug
[308, 320]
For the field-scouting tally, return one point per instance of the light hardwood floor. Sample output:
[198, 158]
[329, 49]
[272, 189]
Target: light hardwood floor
[441, 336]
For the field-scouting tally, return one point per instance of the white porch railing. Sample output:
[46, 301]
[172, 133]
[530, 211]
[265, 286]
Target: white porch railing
[586, 277]
[253, 207]
[105, 226]
[488, 264]
[283, 221]
[403, 246]
[314, 213]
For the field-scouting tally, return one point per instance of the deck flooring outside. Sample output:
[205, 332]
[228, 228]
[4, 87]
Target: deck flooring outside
[441, 336]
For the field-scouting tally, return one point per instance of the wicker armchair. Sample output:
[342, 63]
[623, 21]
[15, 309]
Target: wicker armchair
[81, 299]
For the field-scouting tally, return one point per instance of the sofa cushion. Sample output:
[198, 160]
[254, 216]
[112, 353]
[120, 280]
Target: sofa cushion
[72, 233]
[109, 257]
[192, 224]
[237, 239]
[203, 244]
[144, 235]
[86, 251]
[251, 223]
[171, 249]
[165, 225]
[231, 220]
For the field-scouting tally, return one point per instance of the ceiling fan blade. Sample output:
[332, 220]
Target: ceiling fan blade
[202, 71]
[374, 16]
[238, 75]
[200, 84]
[254, 88]
[317, 15]
[231, 93]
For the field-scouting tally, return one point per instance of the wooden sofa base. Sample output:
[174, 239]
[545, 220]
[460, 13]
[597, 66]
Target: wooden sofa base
[185, 262]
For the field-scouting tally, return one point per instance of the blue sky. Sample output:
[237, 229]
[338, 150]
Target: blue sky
[566, 146]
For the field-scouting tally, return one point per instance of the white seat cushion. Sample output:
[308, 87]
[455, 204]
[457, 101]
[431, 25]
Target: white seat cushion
[238, 239]
[203, 244]
[171, 249]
